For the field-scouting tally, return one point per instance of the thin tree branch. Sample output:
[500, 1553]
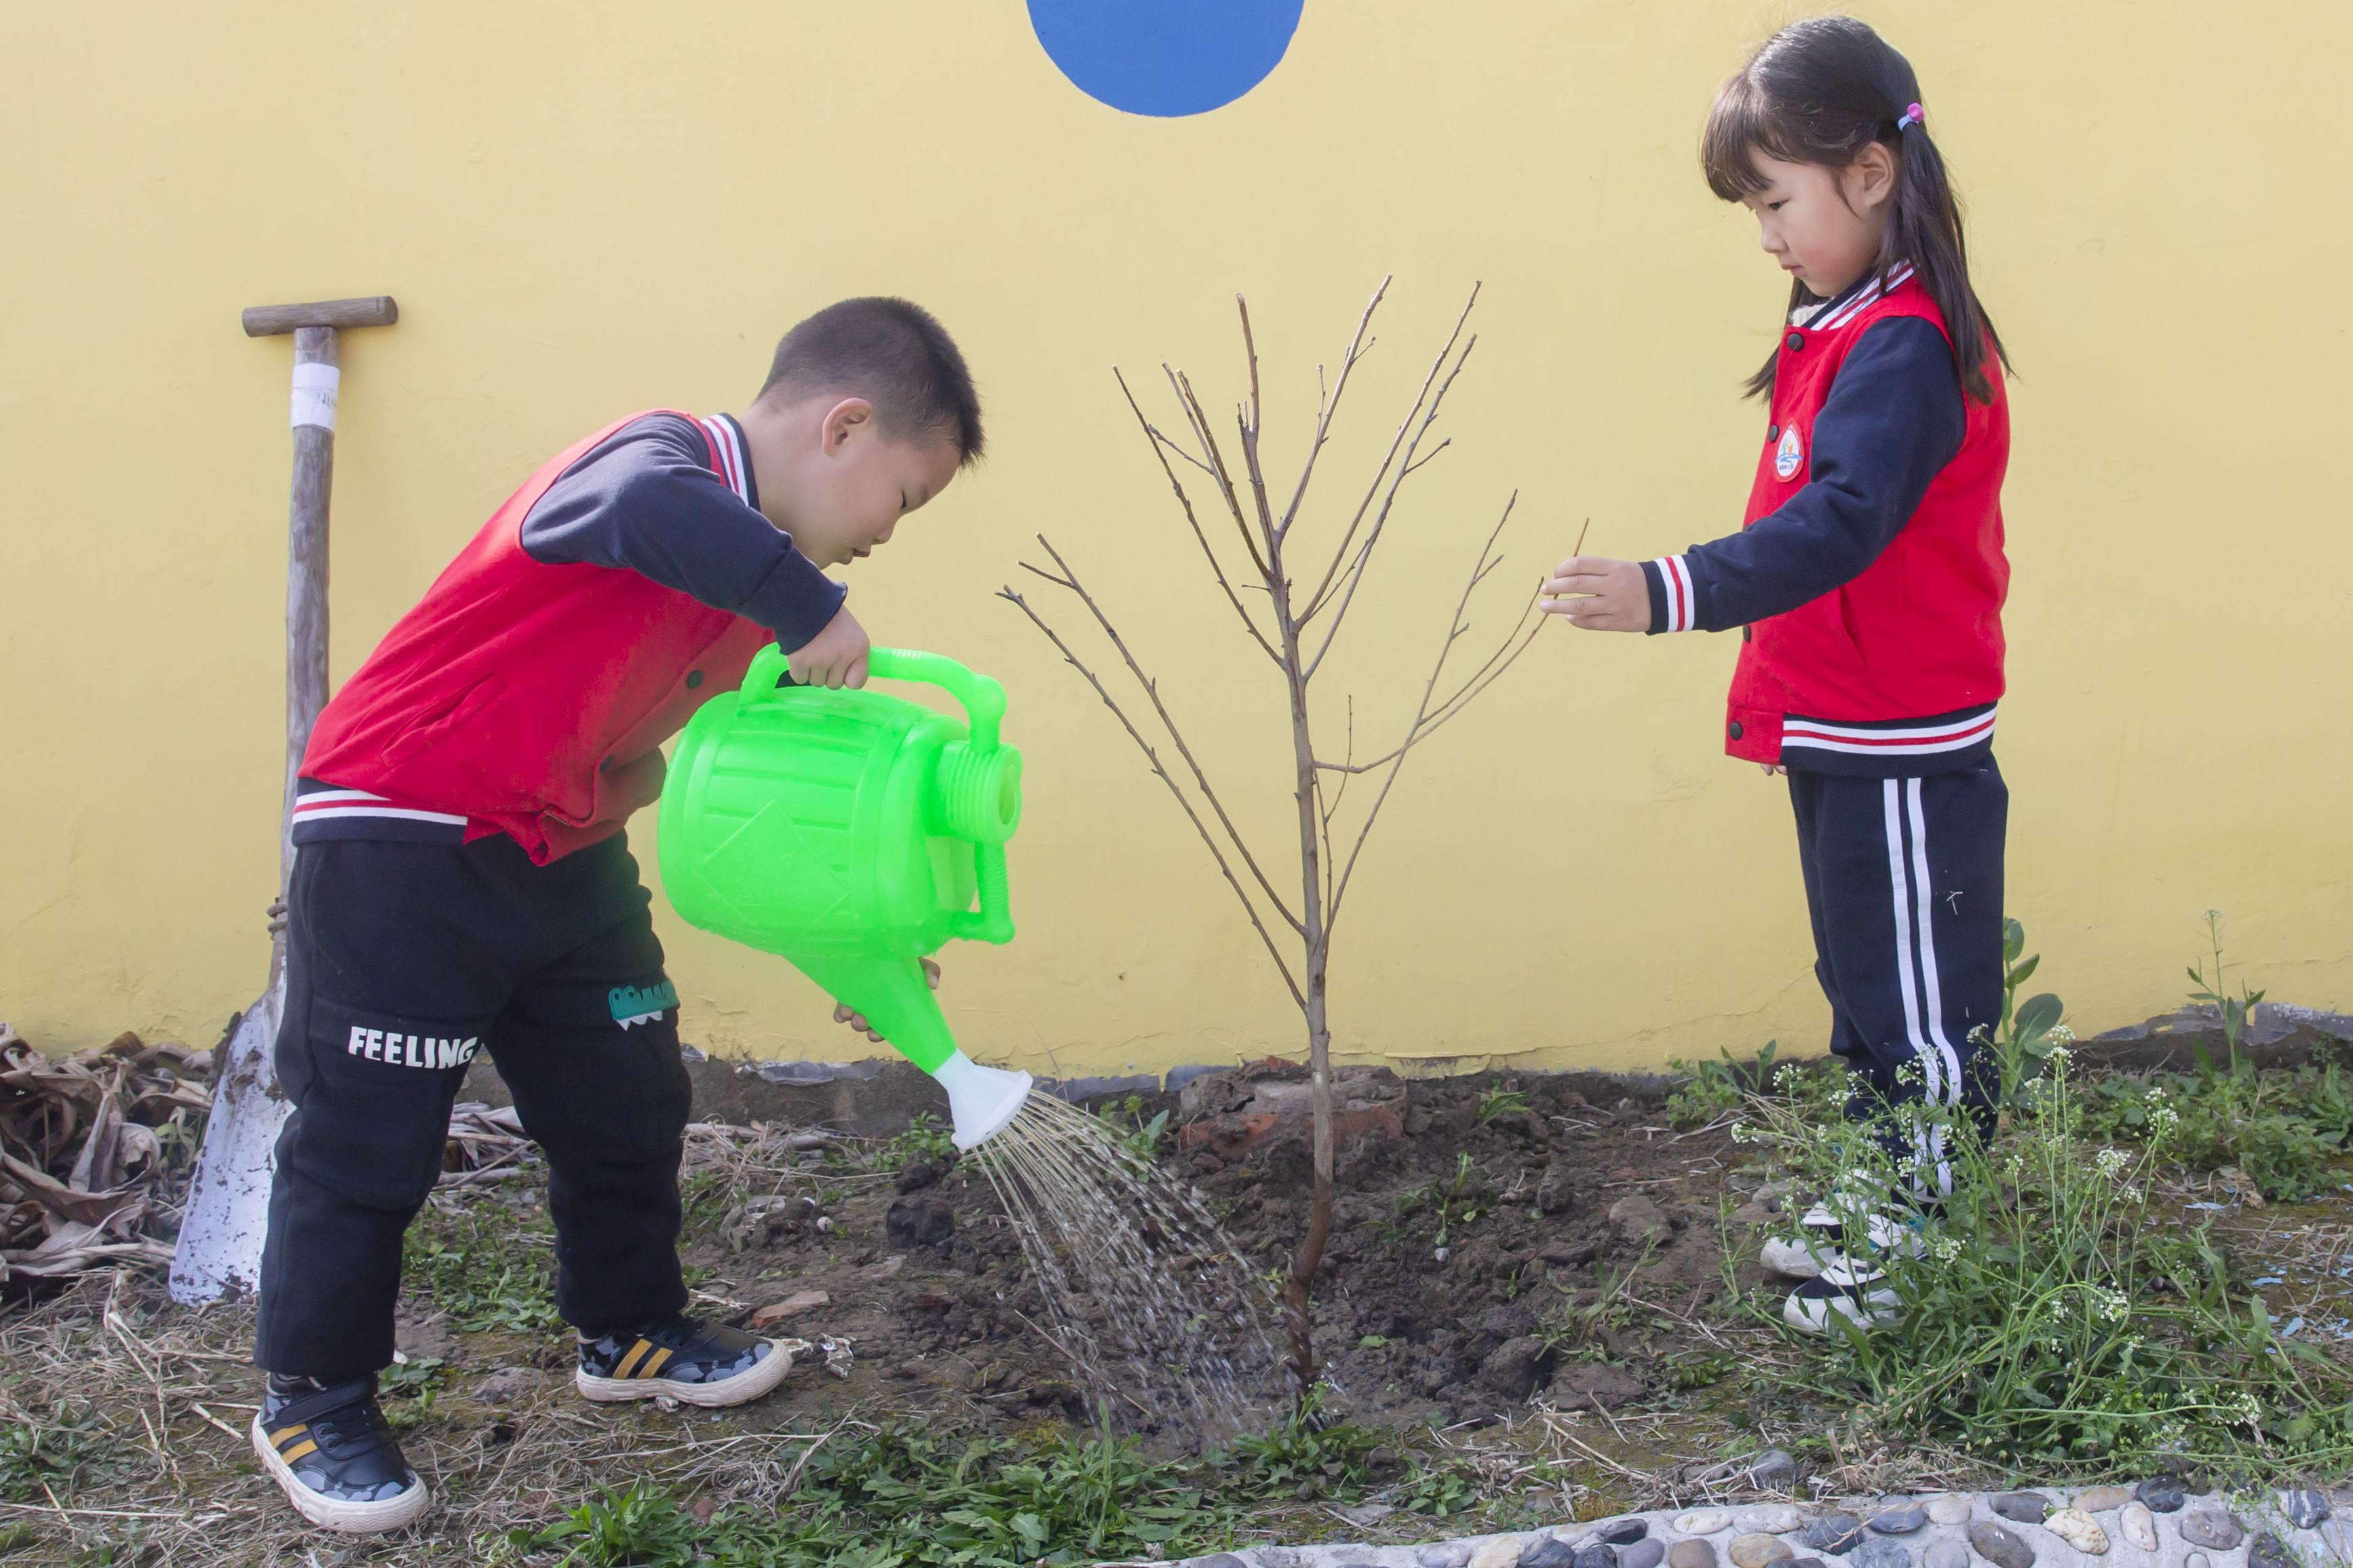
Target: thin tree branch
[1217, 463]
[1380, 521]
[1249, 420]
[1069, 580]
[1323, 590]
[1153, 757]
[1192, 521]
[1328, 407]
[1421, 728]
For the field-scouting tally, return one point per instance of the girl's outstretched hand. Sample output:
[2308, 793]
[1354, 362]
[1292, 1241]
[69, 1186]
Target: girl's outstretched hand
[1598, 593]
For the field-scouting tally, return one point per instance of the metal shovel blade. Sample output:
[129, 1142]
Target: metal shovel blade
[228, 1213]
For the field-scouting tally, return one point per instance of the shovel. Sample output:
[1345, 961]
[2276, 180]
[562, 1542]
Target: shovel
[228, 1213]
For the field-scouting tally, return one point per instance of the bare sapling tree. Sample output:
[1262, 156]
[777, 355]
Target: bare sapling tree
[1294, 617]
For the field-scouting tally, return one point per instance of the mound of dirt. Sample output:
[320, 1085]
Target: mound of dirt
[1489, 1236]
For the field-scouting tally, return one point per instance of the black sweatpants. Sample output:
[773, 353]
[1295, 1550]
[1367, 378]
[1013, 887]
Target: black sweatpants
[1903, 883]
[403, 961]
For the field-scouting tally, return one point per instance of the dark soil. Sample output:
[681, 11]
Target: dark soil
[1476, 1254]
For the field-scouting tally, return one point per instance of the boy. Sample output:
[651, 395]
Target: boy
[462, 882]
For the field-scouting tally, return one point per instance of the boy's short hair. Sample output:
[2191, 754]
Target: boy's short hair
[896, 355]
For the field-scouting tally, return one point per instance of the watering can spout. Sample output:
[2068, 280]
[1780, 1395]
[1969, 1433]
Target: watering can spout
[894, 998]
[981, 1100]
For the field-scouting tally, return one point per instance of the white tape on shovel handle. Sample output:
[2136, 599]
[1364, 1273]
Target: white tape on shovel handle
[314, 396]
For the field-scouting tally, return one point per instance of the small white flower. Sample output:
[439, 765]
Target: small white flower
[2112, 1161]
[1946, 1248]
[2109, 1304]
[2062, 1034]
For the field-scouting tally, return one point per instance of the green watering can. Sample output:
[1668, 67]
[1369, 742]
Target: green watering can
[853, 832]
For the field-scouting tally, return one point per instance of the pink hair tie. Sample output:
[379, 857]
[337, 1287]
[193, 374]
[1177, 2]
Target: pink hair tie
[1909, 118]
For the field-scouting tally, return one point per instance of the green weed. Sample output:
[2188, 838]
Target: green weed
[620, 1529]
[1712, 1090]
[1497, 1102]
[409, 1388]
[2051, 1316]
[911, 1494]
[57, 1447]
[486, 1266]
[2233, 1010]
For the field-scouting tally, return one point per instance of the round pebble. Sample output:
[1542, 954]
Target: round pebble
[2215, 1531]
[1777, 1520]
[2304, 1509]
[1495, 1552]
[1900, 1521]
[2080, 1530]
[1757, 1548]
[2001, 1547]
[1878, 1552]
[1648, 1552]
[1453, 1554]
[1953, 1507]
[1594, 1555]
[2268, 1551]
[2139, 1526]
[1547, 1551]
[1623, 1531]
[1702, 1521]
[2026, 1508]
[2162, 1494]
[2102, 1499]
[1691, 1554]
[1945, 1553]
[1835, 1533]
[2196, 1560]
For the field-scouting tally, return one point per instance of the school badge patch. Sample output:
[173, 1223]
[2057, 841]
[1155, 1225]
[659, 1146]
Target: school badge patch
[1790, 454]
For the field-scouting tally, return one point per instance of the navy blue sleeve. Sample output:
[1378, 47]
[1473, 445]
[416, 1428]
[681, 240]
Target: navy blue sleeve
[645, 500]
[1893, 420]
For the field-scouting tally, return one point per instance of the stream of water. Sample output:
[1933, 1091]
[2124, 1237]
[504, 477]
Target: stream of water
[1146, 1294]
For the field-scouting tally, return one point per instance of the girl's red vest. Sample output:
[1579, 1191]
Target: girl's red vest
[530, 698]
[1918, 634]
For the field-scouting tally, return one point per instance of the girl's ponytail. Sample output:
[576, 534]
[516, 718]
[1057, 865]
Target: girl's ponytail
[1820, 91]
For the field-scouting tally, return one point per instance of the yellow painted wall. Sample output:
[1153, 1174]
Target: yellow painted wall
[592, 208]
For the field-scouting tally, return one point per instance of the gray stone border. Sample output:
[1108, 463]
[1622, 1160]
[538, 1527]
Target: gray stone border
[1834, 1534]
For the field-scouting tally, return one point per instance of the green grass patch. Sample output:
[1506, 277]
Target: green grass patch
[490, 1267]
[909, 1494]
[2053, 1315]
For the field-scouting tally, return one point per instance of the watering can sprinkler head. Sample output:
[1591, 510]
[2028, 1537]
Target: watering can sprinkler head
[853, 832]
[981, 1100]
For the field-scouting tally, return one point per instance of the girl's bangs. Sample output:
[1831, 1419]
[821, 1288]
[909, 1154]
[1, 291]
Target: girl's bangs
[1740, 126]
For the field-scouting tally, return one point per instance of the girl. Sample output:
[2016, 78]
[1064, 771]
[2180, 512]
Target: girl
[1867, 581]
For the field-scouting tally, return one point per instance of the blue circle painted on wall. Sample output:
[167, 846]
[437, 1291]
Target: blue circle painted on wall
[1166, 57]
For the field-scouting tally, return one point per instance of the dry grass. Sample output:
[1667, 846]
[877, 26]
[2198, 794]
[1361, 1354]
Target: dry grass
[176, 1481]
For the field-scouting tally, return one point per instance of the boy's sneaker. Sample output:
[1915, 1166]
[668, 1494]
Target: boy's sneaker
[701, 1365]
[331, 1452]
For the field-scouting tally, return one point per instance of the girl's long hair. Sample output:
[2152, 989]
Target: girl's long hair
[1820, 91]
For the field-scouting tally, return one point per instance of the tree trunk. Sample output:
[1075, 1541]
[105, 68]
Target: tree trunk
[1318, 945]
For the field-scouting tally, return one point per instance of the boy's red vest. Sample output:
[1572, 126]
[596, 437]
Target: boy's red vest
[1917, 637]
[532, 698]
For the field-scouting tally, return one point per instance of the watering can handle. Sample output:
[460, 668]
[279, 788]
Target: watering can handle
[983, 699]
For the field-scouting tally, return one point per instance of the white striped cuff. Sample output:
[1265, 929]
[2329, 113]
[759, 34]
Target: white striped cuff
[1682, 610]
